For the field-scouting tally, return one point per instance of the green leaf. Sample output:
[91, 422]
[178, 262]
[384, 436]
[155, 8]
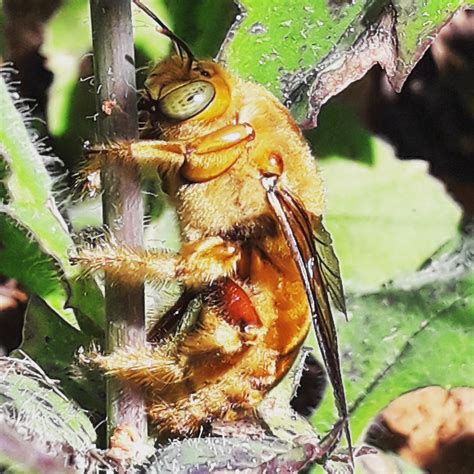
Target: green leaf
[31, 204]
[28, 183]
[40, 427]
[275, 409]
[234, 454]
[401, 339]
[283, 38]
[202, 24]
[386, 219]
[30, 393]
[312, 50]
[418, 22]
[23, 260]
[55, 346]
[340, 134]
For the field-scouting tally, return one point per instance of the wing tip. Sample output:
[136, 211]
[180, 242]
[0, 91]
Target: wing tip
[347, 433]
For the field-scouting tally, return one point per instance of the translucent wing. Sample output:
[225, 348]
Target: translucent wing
[295, 223]
[329, 265]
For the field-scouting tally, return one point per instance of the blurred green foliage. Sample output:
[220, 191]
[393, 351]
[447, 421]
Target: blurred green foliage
[387, 217]
[40, 428]
[30, 203]
[411, 334]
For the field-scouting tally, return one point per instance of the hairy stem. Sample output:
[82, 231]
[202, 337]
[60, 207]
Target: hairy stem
[114, 71]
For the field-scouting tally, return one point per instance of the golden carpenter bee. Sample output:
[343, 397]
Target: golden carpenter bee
[255, 253]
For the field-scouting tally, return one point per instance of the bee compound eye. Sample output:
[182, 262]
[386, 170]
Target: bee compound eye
[188, 100]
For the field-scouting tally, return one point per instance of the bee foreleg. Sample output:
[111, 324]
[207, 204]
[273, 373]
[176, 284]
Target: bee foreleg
[199, 160]
[147, 155]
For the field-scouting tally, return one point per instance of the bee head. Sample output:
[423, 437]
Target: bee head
[182, 88]
[202, 93]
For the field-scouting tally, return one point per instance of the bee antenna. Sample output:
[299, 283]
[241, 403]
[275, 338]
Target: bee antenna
[180, 45]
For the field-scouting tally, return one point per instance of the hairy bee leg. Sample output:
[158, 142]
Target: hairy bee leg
[200, 262]
[229, 320]
[214, 335]
[204, 261]
[186, 416]
[199, 160]
[148, 155]
[126, 264]
[163, 156]
[153, 369]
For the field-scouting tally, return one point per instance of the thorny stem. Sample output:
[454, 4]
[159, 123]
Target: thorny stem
[114, 71]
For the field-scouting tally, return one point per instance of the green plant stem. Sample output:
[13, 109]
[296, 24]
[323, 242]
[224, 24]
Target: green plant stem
[114, 71]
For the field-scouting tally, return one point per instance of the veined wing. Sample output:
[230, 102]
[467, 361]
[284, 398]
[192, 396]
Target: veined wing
[320, 279]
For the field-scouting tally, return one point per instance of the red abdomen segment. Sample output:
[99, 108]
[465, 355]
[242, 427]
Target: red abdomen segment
[238, 308]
